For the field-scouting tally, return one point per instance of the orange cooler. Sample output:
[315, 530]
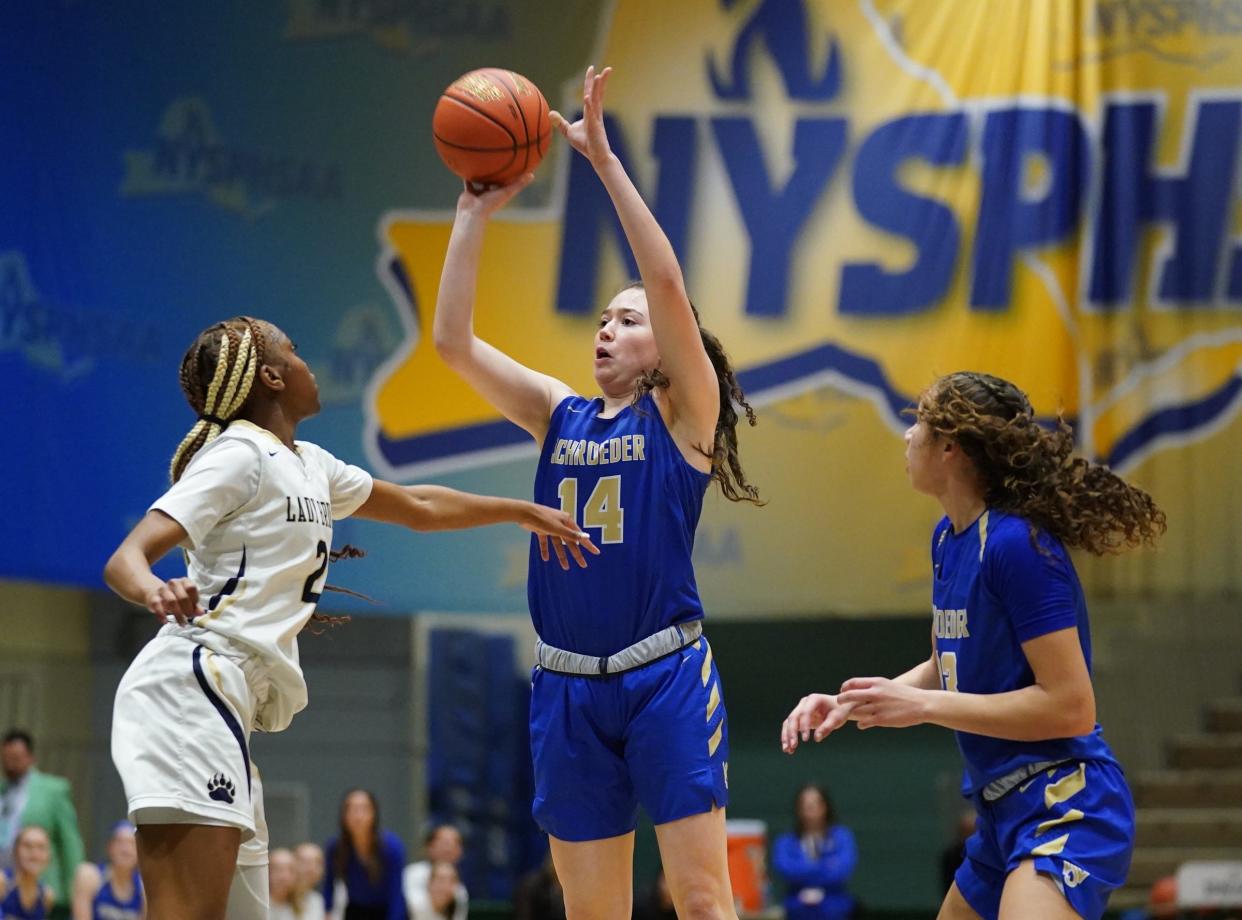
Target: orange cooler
[748, 863]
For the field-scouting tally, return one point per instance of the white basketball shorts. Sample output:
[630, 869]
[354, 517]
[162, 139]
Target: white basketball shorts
[181, 738]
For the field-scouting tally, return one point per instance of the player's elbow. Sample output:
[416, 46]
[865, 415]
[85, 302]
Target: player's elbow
[427, 510]
[1077, 715]
[666, 281]
[449, 346]
[419, 513]
[112, 571]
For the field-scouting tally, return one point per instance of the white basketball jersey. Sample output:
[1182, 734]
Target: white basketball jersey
[259, 522]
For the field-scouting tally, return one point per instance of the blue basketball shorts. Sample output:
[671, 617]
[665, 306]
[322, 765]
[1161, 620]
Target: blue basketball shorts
[655, 736]
[1075, 821]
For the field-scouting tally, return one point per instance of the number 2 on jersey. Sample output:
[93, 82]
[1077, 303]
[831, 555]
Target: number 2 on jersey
[603, 509]
[309, 594]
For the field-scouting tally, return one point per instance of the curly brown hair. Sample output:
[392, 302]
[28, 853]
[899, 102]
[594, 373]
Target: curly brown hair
[1031, 471]
[727, 470]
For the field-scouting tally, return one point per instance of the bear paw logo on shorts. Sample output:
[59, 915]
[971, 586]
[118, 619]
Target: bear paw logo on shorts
[221, 788]
[1073, 875]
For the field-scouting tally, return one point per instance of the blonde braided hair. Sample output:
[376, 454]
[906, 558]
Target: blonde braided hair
[217, 376]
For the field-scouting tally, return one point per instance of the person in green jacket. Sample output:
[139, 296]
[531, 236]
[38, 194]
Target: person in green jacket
[29, 797]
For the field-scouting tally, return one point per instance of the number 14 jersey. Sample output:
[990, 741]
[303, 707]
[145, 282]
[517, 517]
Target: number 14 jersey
[627, 484]
[258, 518]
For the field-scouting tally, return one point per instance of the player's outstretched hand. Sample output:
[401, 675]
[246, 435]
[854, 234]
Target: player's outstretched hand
[176, 598]
[878, 702]
[487, 202]
[587, 134]
[817, 715]
[554, 525]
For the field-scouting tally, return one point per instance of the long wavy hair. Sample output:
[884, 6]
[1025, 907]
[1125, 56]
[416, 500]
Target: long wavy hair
[830, 813]
[1031, 471]
[345, 850]
[727, 470]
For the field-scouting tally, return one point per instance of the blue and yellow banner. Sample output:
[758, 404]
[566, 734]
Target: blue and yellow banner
[863, 195]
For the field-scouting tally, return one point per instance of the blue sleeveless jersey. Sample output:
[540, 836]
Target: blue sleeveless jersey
[628, 485]
[11, 904]
[992, 591]
[107, 906]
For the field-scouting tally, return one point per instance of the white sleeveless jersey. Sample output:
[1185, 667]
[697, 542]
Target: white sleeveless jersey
[259, 522]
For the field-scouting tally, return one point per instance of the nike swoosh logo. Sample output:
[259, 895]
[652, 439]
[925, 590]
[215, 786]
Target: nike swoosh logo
[272, 453]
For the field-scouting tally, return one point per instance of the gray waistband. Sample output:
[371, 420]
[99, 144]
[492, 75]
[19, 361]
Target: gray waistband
[642, 652]
[1010, 781]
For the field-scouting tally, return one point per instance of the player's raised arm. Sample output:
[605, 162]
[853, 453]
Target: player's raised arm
[524, 396]
[693, 389]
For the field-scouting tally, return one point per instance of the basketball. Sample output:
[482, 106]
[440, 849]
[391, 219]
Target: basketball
[491, 126]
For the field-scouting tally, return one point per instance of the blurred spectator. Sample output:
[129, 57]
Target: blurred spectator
[539, 895]
[368, 860]
[952, 855]
[1162, 903]
[442, 845]
[658, 902]
[288, 897]
[22, 895]
[112, 891]
[309, 858]
[816, 860]
[29, 797]
[439, 900]
[1162, 899]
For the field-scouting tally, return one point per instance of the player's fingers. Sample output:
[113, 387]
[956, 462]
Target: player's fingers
[576, 552]
[835, 720]
[565, 527]
[559, 122]
[859, 683]
[803, 722]
[181, 598]
[601, 85]
[587, 82]
[849, 697]
[192, 591]
[559, 546]
[169, 606]
[789, 735]
[543, 547]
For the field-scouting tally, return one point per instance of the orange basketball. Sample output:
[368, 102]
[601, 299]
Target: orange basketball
[491, 126]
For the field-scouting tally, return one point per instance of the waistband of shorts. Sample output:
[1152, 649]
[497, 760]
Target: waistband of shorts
[242, 655]
[1001, 787]
[642, 652]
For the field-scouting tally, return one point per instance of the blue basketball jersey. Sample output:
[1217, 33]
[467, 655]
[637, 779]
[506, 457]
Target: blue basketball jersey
[627, 484]
[11, 907]
[992, 591]
[107, 906]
